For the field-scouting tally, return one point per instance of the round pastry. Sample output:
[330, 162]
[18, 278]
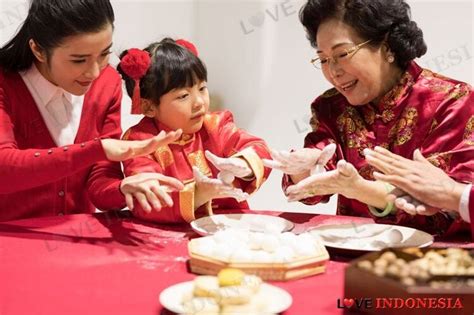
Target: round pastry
[206, 286]
[230, 277]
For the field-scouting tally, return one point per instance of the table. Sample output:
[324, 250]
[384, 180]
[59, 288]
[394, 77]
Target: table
[112, 263]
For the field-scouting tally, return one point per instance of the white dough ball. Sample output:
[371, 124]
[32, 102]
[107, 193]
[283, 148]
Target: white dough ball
[287, 238]
[270, 243]
[283, 254]
[222, 252]
[255, 240]
[242, 255]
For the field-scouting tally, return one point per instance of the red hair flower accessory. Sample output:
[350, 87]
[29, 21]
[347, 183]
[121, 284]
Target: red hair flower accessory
[135, 64]
[188, 45]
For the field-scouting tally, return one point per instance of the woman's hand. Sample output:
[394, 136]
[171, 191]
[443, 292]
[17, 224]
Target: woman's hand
[212, 188]
[301, 161]
[342, 180]
[229, 167]
[419, 178]
[150, 189]
[121, 150]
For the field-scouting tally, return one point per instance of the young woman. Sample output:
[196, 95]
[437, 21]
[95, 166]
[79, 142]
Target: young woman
[60, 115]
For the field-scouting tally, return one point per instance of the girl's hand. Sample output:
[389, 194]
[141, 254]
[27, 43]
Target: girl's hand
[121, 150]
[342, 180]
[229, 167]
[301, 161]
[212, 188]
[150, 189]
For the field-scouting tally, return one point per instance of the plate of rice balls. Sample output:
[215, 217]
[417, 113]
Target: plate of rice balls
[230, 292]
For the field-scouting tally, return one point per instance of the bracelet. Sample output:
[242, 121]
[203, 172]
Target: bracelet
[388, 209]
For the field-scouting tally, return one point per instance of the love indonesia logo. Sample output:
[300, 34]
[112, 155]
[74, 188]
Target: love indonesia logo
[399, 303]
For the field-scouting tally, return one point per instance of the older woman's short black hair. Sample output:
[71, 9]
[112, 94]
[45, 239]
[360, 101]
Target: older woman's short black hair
[377, 20]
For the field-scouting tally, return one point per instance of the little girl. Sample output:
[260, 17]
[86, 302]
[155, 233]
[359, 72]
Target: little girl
[167, 82]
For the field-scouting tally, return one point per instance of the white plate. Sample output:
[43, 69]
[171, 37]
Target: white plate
[252, 222]
[371, 236]
[172, 297]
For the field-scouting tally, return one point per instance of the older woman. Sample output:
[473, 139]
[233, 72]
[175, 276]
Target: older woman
[381, 97]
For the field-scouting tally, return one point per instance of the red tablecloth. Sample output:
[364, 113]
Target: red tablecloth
[111, 263]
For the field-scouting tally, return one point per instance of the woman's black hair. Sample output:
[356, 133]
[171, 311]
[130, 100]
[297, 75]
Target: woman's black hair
[48, 23]
[377, 20]
[172, 67]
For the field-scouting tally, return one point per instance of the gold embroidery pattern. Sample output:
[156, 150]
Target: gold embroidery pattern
[185, 139]
[434, 124]
[430, 74]
[441, 160]
[211, 121]
[469, 132]
[403, 129]
[186, 202]
[387, 115]
[460, 90]
[314, 121]
[351, 126]
[199, 160]
[330, 93]
[164, 156]
[369, 115]
[391, 98]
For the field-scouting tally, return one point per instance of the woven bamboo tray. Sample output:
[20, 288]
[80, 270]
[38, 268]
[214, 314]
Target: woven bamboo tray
[298, 268]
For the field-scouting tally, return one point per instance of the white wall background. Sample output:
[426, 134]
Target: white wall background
[258, 60]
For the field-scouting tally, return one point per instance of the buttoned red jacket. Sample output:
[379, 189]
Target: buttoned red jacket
[37, 178]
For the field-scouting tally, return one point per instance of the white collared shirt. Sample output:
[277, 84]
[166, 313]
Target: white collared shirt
[464, 204]
[61, 111]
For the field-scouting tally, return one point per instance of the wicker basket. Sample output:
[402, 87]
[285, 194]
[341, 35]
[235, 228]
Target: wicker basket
[298, 268]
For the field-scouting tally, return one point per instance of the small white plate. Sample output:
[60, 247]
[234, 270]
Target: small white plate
[371, 236]
[172, 297]
[252, 222]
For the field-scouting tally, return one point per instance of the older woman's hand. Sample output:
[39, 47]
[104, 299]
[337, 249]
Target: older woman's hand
[341, 181]
[150, 190]
[301, 160]
[419, 179]
[121, 150]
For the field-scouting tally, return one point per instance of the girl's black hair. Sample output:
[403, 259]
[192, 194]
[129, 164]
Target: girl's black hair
[377, 20]
[48, 23]
[172, 67]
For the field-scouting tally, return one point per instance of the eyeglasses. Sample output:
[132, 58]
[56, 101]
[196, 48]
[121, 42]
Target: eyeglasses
[339, 57]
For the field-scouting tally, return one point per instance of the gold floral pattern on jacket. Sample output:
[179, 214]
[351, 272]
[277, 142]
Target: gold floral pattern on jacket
[403, 130]
[351, 127]
[469, 132]
[199, 160]
[441, 160]
[164, 156]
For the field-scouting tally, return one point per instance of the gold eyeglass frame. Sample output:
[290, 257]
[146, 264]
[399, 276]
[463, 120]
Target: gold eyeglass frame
[316, 62]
